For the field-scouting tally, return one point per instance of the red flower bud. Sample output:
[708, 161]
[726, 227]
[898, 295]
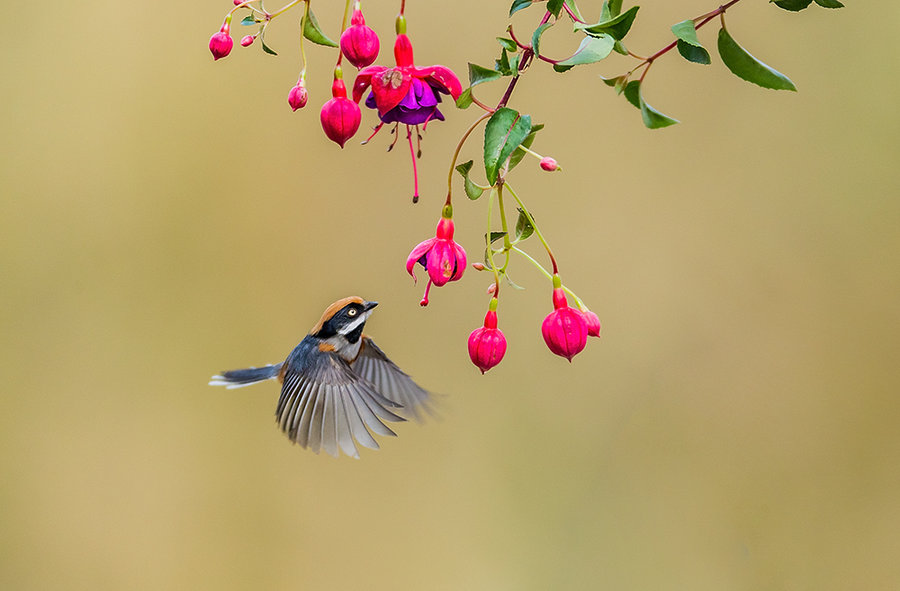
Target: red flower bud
[565, 329]
[247, 40]
[340, 116]
[221, 43]
[297, 97]
[238, 2]
[359, 43]
[593, 323]
[549, 164]
[487, 345]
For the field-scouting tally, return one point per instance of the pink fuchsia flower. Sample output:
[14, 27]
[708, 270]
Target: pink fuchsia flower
[593, 323]
[340, 116]
[565, 329]
[487, 345]
[359, 43]
[298, 97]
[247, 40]
[444, 260]
[549, 164]
[406, 94]
[221, 43]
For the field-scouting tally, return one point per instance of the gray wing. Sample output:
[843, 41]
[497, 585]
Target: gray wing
[391, 381]
[327, 406]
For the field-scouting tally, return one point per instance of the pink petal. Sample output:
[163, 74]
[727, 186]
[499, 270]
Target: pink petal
[442, 77]
[364, 79]
[390, 86]
[420, 249]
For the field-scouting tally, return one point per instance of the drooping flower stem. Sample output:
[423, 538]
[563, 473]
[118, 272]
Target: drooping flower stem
[346, 15]
[507, 245]
[548, 275]
[537, 230]
[490, 248]
[459, 146]
[303, 21]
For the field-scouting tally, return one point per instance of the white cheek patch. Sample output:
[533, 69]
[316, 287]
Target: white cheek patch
[355, 324]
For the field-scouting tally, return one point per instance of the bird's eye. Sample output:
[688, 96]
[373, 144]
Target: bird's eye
[351, 312]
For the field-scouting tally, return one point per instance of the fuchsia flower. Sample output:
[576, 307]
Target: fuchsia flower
[487, 345]
[549, 164]
[298, 96]
[221, 43]
[593, 323]
[444, 260]
[247, 40]
[565, 329]
[359, 43]
[405, 93]
[340, 116]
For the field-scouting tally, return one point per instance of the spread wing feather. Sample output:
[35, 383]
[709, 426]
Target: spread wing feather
[390, 381]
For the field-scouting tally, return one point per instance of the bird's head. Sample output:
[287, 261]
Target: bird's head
[343, 321]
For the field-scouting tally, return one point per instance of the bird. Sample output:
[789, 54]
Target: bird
[337, 385]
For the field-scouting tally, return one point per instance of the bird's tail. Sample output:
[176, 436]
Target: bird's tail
[239, 378]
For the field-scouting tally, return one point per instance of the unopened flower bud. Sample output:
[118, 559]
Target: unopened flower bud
[549, 164]
[359, 43]
[593, 323]
[247, 40]
[238, 2]
[487, 345]
[340, 116]
[298, 96]
[492, 289]
[478, 266]
[221, 43]
[565, 329]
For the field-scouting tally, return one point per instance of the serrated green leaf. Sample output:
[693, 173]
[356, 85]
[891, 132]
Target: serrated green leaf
[313, 32]
[536, 37]
[465, 99]
[554, 6]
[632, 93]
[479, 74]
[504, 132]
[473, 190]
[503, 64]
[745, 66]
[591, 50]
[686, 31]
[792, 5]
[518, 5]
[519, 153]
[829, 4]
[524, 229]
[507, 44]
[693, 53]
[514, 63]
[617, 26]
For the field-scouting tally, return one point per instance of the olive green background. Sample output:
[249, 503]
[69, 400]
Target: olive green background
[165, 217]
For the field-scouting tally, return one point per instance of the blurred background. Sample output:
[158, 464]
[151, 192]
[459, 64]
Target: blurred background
[165, 217]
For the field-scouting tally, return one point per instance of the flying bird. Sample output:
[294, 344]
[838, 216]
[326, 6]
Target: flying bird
[337, 385]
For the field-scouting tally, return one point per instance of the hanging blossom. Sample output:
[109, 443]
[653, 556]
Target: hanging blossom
[406, 94]
[444, 260]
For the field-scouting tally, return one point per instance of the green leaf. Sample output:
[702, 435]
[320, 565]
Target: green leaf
[554, 6]
[465, 99]
[745, 66]
[495, 236]
[504, 132]
[479, 74]
[502, 64]
[633, 93]
[619, 48]
[536, 37]
[574, 9]
[686, 31]
[653, 119]
[592, 49]
[829, 4]
[524, 229]
[792, 5]
[693, 53]
[519, 153]
[617, 26]
[507, 44]
[610, 9]
[249, 20]
[265, 47]
[473, 191]
[313, 32]
[518, 5]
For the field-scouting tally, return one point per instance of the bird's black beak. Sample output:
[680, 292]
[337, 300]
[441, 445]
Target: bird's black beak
[369, 305]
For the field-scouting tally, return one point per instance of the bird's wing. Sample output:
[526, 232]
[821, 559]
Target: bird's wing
[327, 406]
[391, 381]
